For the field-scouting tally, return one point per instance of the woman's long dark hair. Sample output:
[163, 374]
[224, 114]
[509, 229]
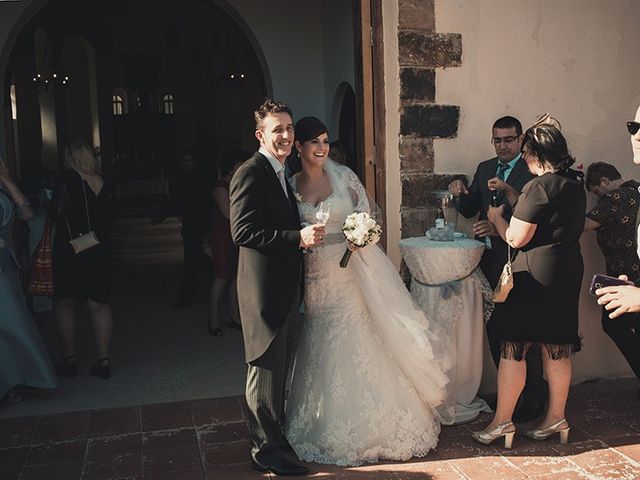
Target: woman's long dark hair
[549, 145]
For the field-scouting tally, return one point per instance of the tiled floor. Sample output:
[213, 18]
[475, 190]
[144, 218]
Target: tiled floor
[207, 439]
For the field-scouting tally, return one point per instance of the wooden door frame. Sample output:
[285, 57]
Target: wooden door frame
[370, 100]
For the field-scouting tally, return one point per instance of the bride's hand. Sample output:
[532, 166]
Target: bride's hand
[352, 246]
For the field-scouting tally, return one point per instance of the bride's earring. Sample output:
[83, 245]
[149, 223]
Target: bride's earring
[298, 153]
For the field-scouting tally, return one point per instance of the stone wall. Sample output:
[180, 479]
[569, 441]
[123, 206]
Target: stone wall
[421, 51]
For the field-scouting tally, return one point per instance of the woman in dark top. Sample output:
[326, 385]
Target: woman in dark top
[81, 204]
[541, 311]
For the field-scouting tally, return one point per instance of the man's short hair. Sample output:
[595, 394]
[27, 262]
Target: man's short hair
[270, 106]
[599, 170]
[508, 122]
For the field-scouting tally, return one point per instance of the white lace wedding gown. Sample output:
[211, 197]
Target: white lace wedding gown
[370, 369]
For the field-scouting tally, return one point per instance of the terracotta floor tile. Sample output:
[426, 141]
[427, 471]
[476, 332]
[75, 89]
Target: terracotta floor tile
[164, 416]
[464, 447]
[197, 474]
[238, 472]
[216, 410]
[44, 453]
[166, 439]
[171, 460]
[226, 453]
[12, 460]
[15, 432]
[606, 427]
[120, 466]
[630, 450]
[227, 432]
[539, 466]
[607, 463]
[68, 426]
[436, 470]
[566, 475]
[114, 445]
[488, 468]
[574, 449]
[53, 471]
[114, 421]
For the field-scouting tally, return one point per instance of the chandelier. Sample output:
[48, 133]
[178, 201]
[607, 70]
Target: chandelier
[43, 82]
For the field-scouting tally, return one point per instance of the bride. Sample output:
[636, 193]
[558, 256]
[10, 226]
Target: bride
[370, 374]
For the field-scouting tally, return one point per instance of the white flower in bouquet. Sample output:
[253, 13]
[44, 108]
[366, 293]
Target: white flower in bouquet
[361, 230]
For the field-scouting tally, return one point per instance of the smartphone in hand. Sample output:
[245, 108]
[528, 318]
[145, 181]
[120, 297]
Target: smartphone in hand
[600, 281]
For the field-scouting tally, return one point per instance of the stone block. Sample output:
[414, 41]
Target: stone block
[416, 154]
[430, 120]
[441, 181]
[414, 221]
[417, 15]
[433, 50]
[418, 84]
[414, 193]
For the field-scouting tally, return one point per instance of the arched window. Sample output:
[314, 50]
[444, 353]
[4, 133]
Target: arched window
[167, 104]
[118, 104]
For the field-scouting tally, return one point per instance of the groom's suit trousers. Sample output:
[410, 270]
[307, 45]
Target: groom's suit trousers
[265, 391]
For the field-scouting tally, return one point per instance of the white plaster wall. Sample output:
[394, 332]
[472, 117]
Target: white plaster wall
[577, 60]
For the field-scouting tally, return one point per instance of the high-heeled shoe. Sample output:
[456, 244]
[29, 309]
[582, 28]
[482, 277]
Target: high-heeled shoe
[67, 367]
[101, 368]
[544, 433]
[506, 430]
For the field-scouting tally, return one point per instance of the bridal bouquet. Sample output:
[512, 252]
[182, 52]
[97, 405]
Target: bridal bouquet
[361, 230]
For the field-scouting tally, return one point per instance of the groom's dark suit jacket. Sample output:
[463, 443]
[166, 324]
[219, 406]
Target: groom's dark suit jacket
[266, 226]
[479, 199]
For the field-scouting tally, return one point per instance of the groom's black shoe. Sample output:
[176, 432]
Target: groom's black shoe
[281, 467]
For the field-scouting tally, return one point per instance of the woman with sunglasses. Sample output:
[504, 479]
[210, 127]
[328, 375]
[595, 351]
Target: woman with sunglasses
[541, 312]
[619, 300]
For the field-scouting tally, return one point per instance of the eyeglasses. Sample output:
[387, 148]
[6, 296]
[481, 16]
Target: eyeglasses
[501, 140]
[633, 127]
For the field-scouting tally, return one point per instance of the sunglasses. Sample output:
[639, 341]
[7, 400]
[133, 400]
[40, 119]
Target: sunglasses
[633, 127]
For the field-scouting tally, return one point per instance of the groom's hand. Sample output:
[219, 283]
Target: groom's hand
[311, 236]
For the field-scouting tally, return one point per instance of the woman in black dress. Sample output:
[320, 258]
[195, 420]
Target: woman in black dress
[81, 205]
[541, 311]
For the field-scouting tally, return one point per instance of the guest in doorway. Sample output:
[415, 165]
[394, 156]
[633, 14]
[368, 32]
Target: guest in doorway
[24, 360]
[82, 203]
[191, 201]
[224, 294]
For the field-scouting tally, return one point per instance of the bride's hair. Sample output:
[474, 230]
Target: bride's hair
[308, 128]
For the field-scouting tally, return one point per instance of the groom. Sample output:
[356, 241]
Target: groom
[266, 226]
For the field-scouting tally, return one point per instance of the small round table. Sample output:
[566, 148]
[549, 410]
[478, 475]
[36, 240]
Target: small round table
[448, 285]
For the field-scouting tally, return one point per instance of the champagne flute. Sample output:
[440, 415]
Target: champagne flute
[322, 213]
[322, 216]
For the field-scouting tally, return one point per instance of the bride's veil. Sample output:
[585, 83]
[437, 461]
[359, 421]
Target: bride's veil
[421, 349]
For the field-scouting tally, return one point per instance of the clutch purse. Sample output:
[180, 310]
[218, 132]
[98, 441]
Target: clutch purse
[84, 242]
[505, 283]
[87, 240]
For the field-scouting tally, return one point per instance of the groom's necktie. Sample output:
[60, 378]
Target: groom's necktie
[282, 181]
[502, 171]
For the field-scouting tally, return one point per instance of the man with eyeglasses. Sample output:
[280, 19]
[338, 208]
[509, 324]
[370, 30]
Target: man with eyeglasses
[625, 299]
[494, 180]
